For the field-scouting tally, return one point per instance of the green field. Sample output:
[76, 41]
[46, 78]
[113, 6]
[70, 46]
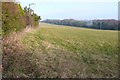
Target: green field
[62, 51]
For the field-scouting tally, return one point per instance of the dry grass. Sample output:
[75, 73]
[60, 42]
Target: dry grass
[74, 52]
[16, 60]
[61, 52]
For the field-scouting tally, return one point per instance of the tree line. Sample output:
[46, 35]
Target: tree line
[105, 24]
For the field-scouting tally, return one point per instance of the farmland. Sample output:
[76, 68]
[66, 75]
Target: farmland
[62, 51]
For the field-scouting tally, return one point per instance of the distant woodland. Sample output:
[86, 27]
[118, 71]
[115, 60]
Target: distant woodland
[106, 24]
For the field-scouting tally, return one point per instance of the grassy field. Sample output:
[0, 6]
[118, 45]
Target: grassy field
[61, 51]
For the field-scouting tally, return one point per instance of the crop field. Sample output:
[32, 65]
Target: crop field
[55, 51]
[62, 51]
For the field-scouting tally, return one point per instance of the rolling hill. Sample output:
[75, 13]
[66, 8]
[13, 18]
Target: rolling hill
[61, 51]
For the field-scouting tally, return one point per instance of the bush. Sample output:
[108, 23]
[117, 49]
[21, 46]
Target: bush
[13, 18]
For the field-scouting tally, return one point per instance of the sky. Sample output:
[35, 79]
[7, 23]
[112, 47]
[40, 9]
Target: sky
[74, 9]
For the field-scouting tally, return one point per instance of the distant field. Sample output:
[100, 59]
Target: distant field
[62, 51]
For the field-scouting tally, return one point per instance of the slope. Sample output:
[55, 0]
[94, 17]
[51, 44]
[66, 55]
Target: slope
[61, 51]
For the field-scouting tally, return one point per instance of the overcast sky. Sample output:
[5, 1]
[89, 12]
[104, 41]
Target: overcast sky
[75, 9]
